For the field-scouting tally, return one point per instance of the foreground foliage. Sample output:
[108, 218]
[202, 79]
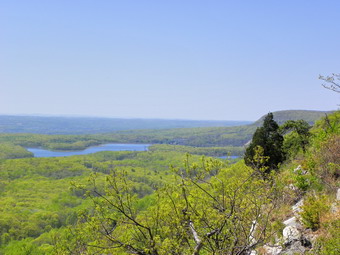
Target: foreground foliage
[209, 209]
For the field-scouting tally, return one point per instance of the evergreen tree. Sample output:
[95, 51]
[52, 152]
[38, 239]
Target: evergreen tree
[270, 140]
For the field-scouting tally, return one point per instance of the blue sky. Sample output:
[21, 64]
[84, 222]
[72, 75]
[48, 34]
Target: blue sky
[218, 60]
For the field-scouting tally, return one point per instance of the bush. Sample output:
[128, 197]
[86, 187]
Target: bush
[329, 244]
[312, 209]
[330, 156]
[304, 181]
[323, 157]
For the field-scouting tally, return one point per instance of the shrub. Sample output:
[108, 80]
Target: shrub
[312, 209]
[329, 244]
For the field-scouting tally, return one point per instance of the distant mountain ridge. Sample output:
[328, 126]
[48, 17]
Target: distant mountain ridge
[87, 125]
[222, 137]
[282, 116]
[212, 136]
[92, 125]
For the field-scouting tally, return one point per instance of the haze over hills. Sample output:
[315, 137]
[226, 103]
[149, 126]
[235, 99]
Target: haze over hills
[92, 125]
[212, 136]
[203, 136]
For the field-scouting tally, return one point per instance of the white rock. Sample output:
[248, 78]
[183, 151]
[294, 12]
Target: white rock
[294, 249]
[297, 169]
[272, 250]
[297, 208]
[334, 208]
[252, 239]
[291, 233]
[292, 222]
[338, 195]
[292, 187]
[303, 172]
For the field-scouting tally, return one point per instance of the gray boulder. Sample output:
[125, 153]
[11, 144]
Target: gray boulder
[291, 234]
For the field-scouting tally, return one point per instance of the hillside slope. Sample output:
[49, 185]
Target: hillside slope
[309, 116]
[212, 136]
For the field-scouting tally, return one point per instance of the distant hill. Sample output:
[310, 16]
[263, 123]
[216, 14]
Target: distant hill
[94, 129]
[212, 136]
[81, 125]
[282, 116]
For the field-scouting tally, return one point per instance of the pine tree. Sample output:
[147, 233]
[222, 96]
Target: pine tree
[269, 138]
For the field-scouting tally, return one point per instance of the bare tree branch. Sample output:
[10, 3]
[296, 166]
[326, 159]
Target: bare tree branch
[333, 82]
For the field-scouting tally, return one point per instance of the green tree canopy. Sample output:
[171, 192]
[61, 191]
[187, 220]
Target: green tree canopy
[209, 208]
[269, 138]
[296, 136]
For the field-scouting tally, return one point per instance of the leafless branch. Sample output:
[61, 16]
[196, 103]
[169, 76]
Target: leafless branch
[332, 82]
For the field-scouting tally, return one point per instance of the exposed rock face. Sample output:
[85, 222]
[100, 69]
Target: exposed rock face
[294, 240]
[292, 231]
[291, 234]
[294, 248]
[272, 250]
[292, 222]
[297, 208]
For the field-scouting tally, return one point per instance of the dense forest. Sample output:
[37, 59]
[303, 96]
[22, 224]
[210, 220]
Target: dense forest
[166, 201]
[224, 140]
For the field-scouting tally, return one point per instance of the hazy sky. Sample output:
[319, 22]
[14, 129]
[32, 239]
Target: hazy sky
[221, 60]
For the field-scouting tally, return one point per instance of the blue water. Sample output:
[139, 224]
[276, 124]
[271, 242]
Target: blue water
[39, 153]
[229, 157]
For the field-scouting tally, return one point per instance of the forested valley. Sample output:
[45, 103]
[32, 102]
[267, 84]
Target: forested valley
[178, 197]
[211, 141]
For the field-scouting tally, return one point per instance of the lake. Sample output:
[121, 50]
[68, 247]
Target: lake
[229, 157]
[39, 153]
